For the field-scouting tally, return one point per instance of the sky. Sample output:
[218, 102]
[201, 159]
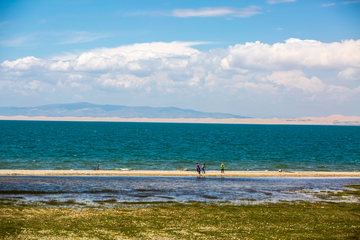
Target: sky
[261, 58]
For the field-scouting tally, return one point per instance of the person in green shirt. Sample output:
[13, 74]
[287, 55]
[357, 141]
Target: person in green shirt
[222, 168]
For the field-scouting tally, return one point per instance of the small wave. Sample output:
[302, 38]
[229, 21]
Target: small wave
[123, 169]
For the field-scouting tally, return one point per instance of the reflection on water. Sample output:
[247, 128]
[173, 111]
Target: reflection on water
[105, 191]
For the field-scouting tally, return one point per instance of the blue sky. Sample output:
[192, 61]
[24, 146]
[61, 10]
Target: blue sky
[275, 58]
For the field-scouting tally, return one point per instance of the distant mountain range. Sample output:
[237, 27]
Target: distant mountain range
[83, 109]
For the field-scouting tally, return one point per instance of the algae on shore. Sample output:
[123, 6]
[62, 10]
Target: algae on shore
[171, 220]
[184, 221]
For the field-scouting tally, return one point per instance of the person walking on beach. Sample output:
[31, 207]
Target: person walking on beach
[222, 168]
[203, 168]
[198, 168]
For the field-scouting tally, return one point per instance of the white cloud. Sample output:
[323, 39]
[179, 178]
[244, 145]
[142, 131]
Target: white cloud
[66, 57]
[296, 53]
[350, 74]
[297, 79]
[33, 85]
[75, 84]
[59, 66]
[63, 37]
[75, 76]
[279, 1]
[216, 12]
[19, 41]
[350, 2]
[296, 70]
[122, 81]
[328, 4]
[141, 57]
[178, 56]
[333, 4]
[81, 37]
[23, 63]
[340, 93]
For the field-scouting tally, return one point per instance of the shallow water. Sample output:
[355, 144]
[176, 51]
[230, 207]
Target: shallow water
[101, 190]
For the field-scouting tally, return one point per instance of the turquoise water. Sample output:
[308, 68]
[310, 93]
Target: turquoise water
[170, 146]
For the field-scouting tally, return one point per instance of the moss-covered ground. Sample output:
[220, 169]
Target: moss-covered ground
[301, 220]
[184, 221]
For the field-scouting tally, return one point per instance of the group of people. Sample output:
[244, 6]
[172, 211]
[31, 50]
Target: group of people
[202, 170]
[199, 170]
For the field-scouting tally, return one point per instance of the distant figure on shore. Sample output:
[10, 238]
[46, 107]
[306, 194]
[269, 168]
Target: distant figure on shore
[222, 168]
[98, 168]
[198, 168]
[203, 168]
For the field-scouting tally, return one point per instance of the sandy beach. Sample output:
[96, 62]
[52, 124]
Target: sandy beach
[330, 120]
[175, 173]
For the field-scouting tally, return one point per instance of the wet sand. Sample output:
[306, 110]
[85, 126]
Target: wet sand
[175, 173]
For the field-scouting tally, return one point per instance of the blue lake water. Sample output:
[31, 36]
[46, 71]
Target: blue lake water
[170, 146]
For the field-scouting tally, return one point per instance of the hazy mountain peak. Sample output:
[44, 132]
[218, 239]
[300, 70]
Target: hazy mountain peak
[84, 109]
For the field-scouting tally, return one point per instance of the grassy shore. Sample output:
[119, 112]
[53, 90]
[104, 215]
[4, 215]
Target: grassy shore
[184, 221]
[288, 220]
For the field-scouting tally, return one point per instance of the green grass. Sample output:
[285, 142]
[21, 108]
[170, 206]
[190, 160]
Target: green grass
[301, 220]
[181, 221]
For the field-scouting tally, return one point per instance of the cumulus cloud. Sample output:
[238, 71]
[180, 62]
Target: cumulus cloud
[340, 93]
[216, 12]
[147, 58]
[33, 85]
[150, 57]
[23, 63]
[137, 57]
[350, 74]
[122, 81]
[297, 79]
[295, 53]
[296, 69]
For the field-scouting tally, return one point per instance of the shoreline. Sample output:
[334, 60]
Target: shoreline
[334, 120]
[176, 173]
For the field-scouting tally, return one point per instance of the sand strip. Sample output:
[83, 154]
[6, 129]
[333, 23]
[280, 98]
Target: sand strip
[175, 173]
[331, 120]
